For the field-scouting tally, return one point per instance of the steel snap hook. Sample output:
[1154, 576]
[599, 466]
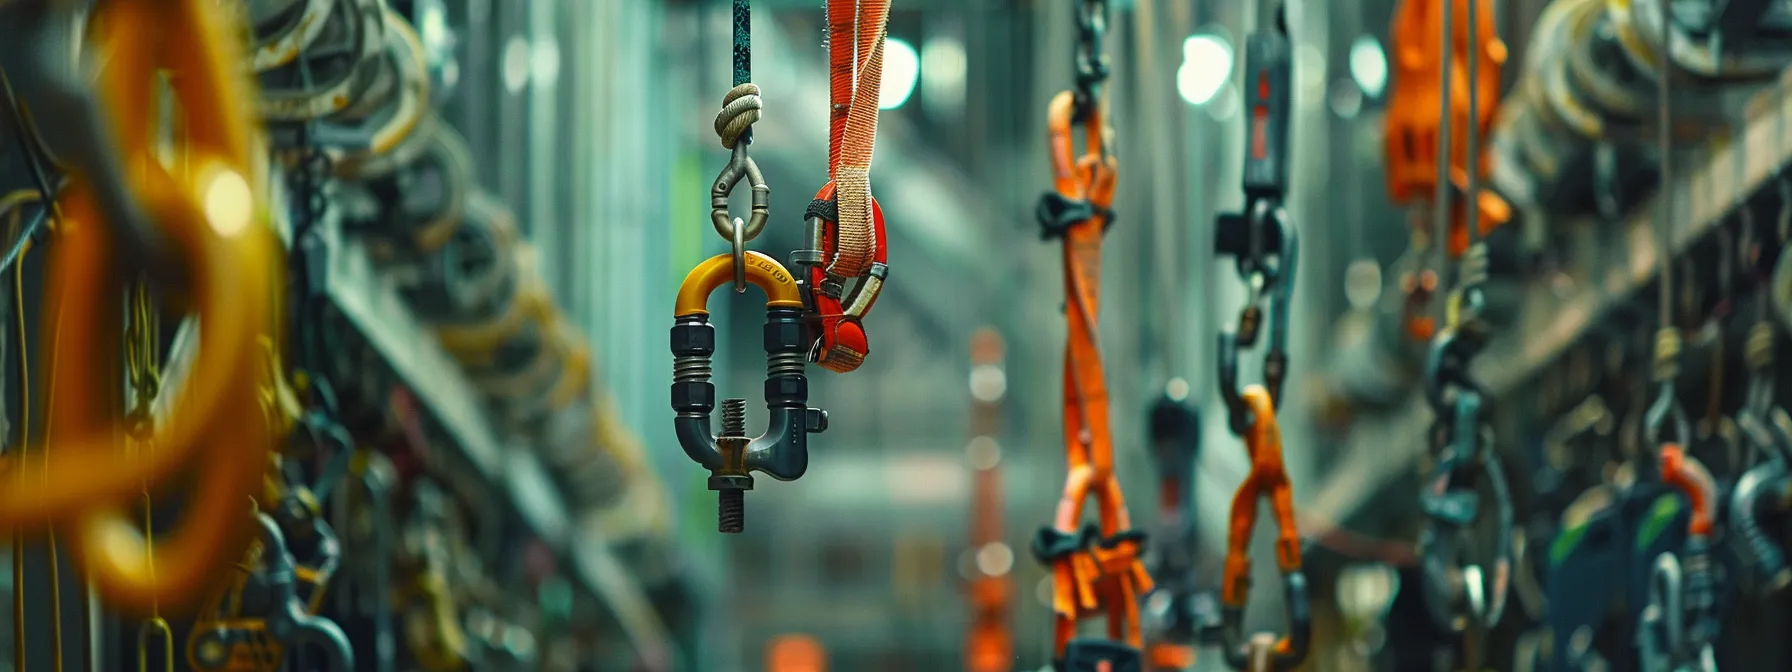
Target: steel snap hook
[782, 452]
[741, 167]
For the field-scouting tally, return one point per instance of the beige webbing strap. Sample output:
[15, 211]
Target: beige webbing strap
[852, 181]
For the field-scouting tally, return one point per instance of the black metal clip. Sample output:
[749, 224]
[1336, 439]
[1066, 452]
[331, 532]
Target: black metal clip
[1455, 596]
[1091, 58]
[1264, 652]
[1250, 241]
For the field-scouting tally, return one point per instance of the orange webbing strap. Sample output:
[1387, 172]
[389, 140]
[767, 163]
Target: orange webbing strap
[848, 269]
[1104, 573]
[853, 133]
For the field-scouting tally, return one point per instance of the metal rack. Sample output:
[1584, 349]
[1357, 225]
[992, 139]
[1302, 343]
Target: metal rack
[1551, 321]
[371, 302]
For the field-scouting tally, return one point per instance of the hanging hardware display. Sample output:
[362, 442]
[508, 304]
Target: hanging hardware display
[1097, 568]
[1264, 243]
[159, 179]
[783, 451]
[846, 258]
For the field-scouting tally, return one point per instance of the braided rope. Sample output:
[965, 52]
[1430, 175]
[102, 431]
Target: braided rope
[741, 108]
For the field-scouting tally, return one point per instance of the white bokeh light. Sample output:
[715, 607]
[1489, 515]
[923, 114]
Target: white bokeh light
[902, 69]
[1206, 66]
[544, 61]
[943, 70]
[516, 64]
[1369, 65]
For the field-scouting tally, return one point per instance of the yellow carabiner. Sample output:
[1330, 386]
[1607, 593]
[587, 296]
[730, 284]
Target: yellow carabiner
[764, 272]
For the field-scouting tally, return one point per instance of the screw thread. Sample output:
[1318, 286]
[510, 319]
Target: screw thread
[734, 417]
[733, 511]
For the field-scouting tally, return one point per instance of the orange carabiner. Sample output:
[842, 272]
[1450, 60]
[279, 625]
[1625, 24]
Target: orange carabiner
[1268, 478]
[1689, 476]
[213, 218]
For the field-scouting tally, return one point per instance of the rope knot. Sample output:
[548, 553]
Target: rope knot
[740, 109]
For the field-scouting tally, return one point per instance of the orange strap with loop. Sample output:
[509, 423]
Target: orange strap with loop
[1268, 478]
[853, 244]
[1104, 574]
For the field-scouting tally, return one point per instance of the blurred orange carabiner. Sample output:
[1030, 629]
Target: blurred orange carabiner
[212, 216]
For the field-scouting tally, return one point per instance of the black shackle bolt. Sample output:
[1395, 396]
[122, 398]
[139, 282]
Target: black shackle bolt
[782, 452]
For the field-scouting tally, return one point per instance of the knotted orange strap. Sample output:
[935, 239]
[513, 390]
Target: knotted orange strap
[1100, 570]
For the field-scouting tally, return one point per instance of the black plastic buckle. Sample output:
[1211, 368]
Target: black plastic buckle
[1056, 214]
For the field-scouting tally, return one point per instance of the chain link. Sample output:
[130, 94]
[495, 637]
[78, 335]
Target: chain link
[1091, 58]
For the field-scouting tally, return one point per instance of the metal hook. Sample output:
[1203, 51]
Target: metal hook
[1664, 411]
[1663, 626]
[740, 167]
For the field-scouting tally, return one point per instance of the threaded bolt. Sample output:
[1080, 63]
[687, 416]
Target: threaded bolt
[733, 518]
[732, 507]
[734, 417]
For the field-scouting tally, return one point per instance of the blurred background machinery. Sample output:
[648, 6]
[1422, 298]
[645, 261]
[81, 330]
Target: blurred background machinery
[502, 197]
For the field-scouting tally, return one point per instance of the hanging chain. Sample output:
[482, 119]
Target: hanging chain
[1464, 595]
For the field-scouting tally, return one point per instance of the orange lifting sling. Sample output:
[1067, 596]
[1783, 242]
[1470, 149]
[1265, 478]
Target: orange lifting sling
[1095, 569]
